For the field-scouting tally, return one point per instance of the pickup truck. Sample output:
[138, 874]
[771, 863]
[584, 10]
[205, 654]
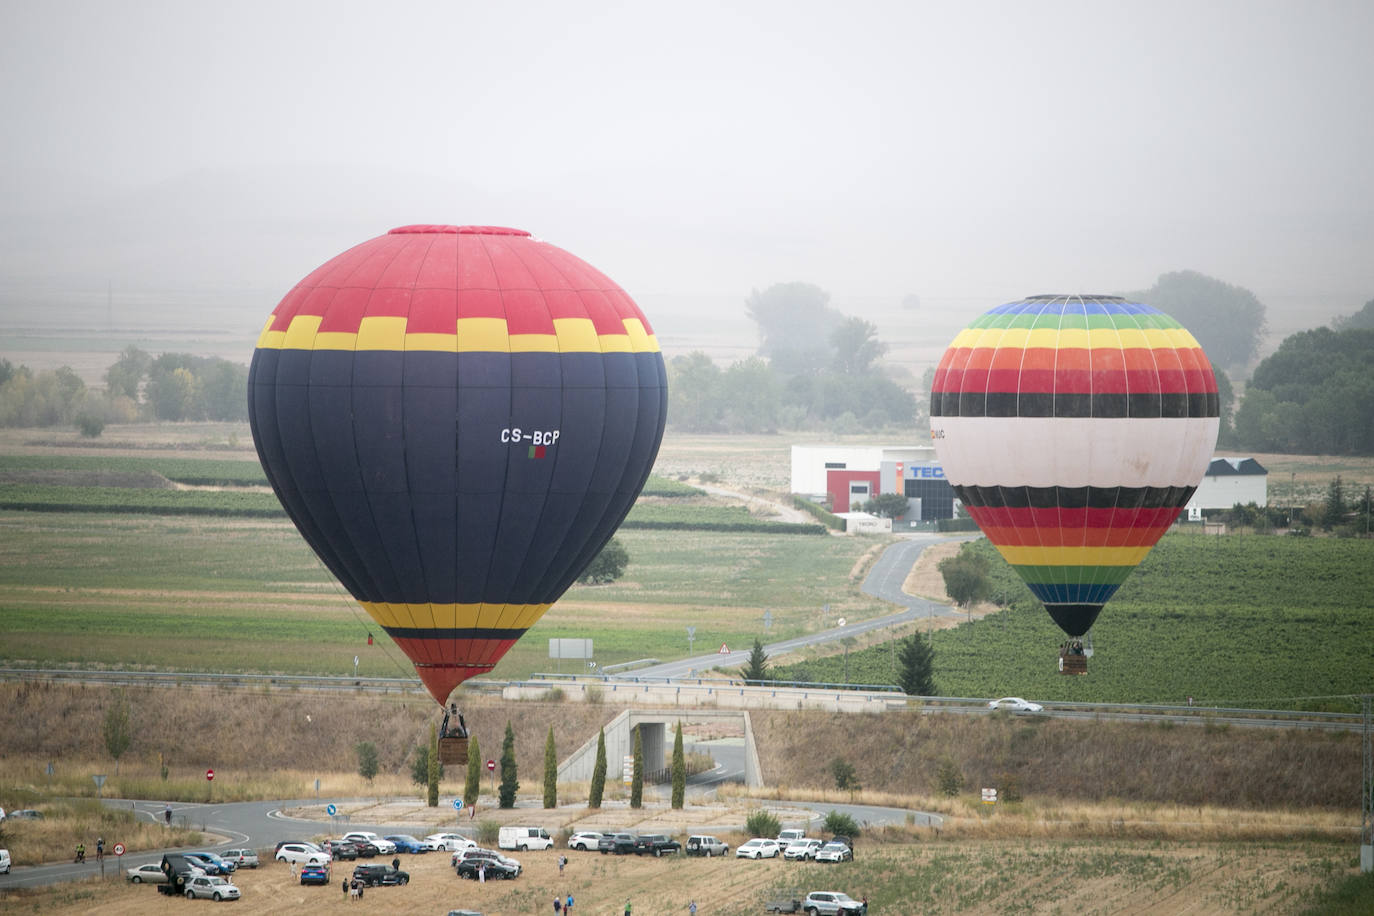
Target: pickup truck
[832, 903]
[656, 844]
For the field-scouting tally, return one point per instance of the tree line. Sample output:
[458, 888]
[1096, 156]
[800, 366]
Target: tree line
[138, 386]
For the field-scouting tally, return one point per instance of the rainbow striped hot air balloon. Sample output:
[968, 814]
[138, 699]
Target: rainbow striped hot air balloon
[457, 419]
[1074, 429]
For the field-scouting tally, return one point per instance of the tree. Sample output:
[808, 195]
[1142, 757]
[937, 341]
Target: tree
[1364, 318]
[509, 784]
[550, 772]
[795, 322]
[598, 786]
[125, 374]
[679, 768]
[750, 397]
[918, 666]
[1228, 321]
[838, 823]
[434, 768]
[637, 779]
[846, 780]
[694, 404]
[117, 731]
[856, 346]
[367, 759]
[966, 577]
[419, 765]
[1334, 509]
[761, 822]
[757, 668]
[950, 780]
[886, 505]
[608, 565]
[472, 786]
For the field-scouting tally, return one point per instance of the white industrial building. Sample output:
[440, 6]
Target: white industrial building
[810, 463]
[1229, 481]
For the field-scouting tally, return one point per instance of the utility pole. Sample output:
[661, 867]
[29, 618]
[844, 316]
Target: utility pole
[1367, 786]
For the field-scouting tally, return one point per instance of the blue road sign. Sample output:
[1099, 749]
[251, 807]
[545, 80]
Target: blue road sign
[458, 804]
[331, 811]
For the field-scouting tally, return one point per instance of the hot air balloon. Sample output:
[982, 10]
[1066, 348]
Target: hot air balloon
[1074, 429]
[457, 419]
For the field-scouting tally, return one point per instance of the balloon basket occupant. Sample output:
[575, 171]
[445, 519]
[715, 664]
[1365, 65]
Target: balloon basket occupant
[1074, 429]
[453, 738]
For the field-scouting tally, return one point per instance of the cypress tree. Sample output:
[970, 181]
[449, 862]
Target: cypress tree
[509, 783]
[472, 787]
[550, 773]
[917, 658]
[598, 786]
[679, 768]
[637, 781]
[433, 768]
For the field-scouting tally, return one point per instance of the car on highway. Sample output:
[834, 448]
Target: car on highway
[242, 858]
[4, 861]
[341, 849]
[803, 849]
[832, 903]
[314, 874]
[450, 841]
[213, 864]
[375, 875]
[584, 840]
[1015, 704]
[619, 843]
[210, 887]
[706, 846]
[27, 814]
[834, 852]
[301, 854]
[758, 848]
[406, 843]
[494, 869]
[384, 847]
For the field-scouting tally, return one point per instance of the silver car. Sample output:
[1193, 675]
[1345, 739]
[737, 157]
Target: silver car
[243, 858]
[211, 887]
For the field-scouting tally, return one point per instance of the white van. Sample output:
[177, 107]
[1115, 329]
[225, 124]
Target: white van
[523, 838]
[4, 861]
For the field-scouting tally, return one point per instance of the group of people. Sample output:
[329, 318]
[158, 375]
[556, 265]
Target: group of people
[562, 906]
[352, 890]
[99, 850]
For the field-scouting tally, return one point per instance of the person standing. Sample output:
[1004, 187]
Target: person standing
[557, 905]
[344, 884]
[482, 872]
[627, 906]
[100, 849]
[692, 908]
[562, 860]
[167, 815]
[567, 907]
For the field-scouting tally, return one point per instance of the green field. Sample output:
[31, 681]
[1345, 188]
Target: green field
[1246, 621]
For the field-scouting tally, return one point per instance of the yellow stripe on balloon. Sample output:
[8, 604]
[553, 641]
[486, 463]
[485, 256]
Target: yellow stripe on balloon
[1072, 556]
[455, 616]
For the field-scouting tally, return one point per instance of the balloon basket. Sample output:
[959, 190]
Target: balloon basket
[453, 751]
[1073, 664]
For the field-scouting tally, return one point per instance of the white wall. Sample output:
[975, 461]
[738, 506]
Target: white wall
[1225, 491]
[809, 461]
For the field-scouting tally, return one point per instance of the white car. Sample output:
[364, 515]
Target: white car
[834, 852]
[1015, 704]
[384, 847]
[584, 840]
[212, 887]
[803, 849]
[302, 854]
[758, 848]
[5, 862]
[152, 874]
[453, 842]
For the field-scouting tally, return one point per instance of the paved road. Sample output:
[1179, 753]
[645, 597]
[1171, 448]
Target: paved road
[884, 581]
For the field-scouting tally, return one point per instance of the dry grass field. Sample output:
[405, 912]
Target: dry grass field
[979, 879]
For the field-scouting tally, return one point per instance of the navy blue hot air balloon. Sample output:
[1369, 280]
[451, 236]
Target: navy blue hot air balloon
[457, 419]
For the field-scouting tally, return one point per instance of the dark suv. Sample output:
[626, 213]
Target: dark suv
[341, 849]
[656, 844]
[494, 868]
[619, 843]
[373, 875]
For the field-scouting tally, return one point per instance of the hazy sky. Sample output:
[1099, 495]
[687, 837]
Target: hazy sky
[979, 150]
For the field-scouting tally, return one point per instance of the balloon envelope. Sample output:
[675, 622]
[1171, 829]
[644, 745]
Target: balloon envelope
[1074, 429]
[457, 419]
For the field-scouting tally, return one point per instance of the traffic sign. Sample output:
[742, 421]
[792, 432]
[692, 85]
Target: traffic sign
[119, 849]
[724, 649]
[209, 775]
[457, 804]
[331, 810]
[491, 764]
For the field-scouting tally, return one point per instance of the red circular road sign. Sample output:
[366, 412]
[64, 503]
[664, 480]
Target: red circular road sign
[491, 764]
[119, 849]
[209, 774]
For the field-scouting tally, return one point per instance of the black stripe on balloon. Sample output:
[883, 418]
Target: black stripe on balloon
[1074, 619]
[452, 633]
[1074, 497]
[1047, 404]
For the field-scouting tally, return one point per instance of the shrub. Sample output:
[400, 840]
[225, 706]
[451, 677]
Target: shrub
[837, 823]
[761, 823]
[950, 780]
[488, 832]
